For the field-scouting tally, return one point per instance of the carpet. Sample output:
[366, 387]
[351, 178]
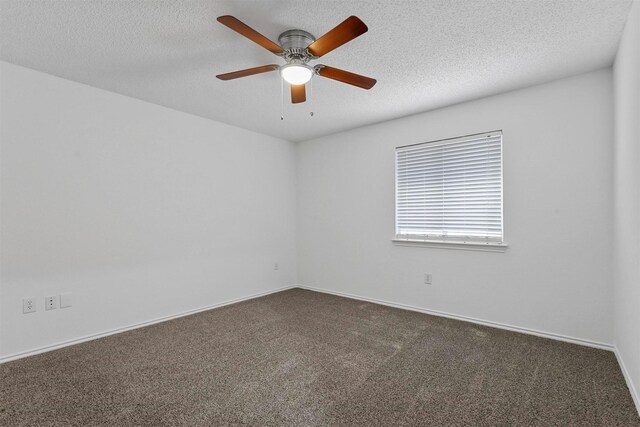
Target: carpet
[306, 358]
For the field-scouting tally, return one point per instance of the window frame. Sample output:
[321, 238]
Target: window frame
[491, 245]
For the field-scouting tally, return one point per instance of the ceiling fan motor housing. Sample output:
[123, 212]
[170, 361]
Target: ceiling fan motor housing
[294, 43]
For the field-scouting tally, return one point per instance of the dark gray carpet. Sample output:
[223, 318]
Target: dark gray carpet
[306, 358]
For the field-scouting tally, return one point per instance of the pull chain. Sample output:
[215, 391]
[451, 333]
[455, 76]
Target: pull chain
[281, 99]
[311, 97]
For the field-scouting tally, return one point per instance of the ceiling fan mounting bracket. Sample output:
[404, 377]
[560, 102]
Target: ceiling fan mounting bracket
[294, 43]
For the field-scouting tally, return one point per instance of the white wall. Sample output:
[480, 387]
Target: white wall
[138, 210]
[555, 276]
[627, 200]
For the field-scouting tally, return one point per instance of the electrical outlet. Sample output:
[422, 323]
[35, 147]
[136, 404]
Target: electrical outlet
[50, 302]
[427, 278]
[28, 305]
[275, 266]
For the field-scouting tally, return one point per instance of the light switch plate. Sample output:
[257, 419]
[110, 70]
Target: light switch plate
[65, 300]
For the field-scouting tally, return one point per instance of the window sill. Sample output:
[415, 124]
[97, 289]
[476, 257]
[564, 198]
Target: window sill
[465, 246]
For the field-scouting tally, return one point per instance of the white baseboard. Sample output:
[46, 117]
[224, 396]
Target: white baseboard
[559, 337]
[91, 337]
[632, 389]
[551, 335]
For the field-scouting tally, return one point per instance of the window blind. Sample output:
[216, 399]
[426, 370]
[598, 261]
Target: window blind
[450, 190]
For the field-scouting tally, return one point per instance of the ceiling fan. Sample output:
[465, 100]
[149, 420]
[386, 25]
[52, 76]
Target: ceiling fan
[298, 47]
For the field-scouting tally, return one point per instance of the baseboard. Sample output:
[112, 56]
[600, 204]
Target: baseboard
[634, 393]
[91, 337]
[554, 336]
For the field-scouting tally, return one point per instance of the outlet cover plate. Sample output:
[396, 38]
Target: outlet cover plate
[28, 305]
[51, 302]
[428, 278]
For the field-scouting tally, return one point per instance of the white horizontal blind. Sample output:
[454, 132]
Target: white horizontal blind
[450, 190]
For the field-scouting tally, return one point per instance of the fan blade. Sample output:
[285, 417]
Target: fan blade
[247, 72]
[240, 27]
[346, 77]
[298, 94]
[346, 31]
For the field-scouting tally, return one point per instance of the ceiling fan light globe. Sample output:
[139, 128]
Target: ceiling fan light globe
[296, 74]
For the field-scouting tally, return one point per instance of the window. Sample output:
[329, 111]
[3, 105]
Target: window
[450, 191]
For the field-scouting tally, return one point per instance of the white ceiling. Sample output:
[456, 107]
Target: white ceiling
[425, 54]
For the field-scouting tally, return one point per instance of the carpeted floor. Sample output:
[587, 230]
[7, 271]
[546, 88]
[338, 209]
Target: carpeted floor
[305, 358]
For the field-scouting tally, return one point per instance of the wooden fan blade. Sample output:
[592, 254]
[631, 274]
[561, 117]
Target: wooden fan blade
[298, 94]
[346, 31]
[247, 72]
[346, 77]
[240, 27]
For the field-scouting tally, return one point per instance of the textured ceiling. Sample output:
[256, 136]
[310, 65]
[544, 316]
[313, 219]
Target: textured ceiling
[425, 54]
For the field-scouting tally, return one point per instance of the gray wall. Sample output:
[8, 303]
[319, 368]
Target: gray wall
[556, 275]
[627, 201]
[140, 211]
